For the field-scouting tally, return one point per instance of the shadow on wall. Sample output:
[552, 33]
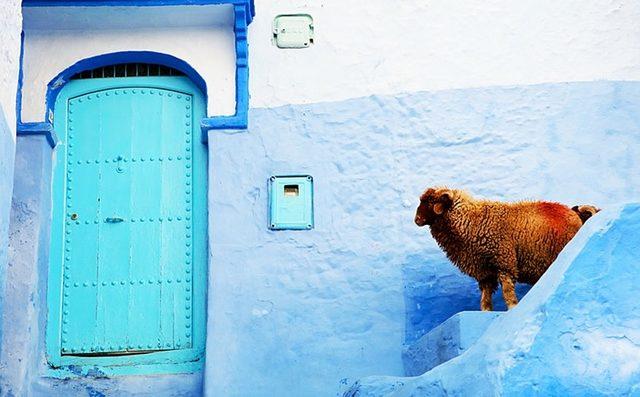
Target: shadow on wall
[434, 290]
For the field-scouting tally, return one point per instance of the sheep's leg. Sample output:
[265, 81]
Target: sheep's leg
[486, 291]
[508, 289]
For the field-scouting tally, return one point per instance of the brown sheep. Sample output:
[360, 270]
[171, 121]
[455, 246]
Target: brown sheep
[497, 242]
[585, 211]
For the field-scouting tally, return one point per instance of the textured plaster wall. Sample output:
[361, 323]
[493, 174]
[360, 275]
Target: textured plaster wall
[306, 313]
[23, 368]
[575, 333]
[387, 47]
[202, 36]
[10, 27]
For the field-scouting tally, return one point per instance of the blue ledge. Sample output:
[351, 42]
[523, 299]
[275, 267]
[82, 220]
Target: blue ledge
[45, 129]
[448, 340]
[223, 123]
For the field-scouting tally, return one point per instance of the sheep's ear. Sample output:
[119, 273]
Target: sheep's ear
[445, 199]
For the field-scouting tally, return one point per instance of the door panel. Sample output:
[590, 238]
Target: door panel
[127, 284]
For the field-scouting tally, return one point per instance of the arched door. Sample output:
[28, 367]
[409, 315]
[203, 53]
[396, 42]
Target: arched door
[128, 249]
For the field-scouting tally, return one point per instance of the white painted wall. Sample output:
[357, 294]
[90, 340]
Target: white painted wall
[380, 47]
[388, 47]
[10, 28]
[56, 38]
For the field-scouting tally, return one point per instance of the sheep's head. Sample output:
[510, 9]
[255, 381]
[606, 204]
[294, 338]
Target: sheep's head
[433, 203]
[585, 211]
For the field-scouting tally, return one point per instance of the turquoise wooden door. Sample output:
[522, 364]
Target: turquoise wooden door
[129, 230]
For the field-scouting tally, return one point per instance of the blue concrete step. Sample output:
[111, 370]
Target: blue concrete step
[446, 341]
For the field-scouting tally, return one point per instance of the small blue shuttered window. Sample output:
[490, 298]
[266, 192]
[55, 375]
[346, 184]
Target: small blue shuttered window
[128, 251]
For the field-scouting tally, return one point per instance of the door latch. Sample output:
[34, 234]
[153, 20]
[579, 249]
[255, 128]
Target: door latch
[114, 219]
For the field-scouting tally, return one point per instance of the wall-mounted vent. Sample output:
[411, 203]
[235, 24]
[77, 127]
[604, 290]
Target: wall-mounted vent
[128, 70]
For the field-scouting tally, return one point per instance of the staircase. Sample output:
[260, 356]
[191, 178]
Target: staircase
[446, 341]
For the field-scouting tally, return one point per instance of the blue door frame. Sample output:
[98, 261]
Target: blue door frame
[183, 355]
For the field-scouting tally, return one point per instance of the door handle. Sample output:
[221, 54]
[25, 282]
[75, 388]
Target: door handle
[115, 219]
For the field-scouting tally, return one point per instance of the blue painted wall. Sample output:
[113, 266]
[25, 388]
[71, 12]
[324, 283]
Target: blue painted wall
[7, 152]
[575, 334]
[306, 312]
